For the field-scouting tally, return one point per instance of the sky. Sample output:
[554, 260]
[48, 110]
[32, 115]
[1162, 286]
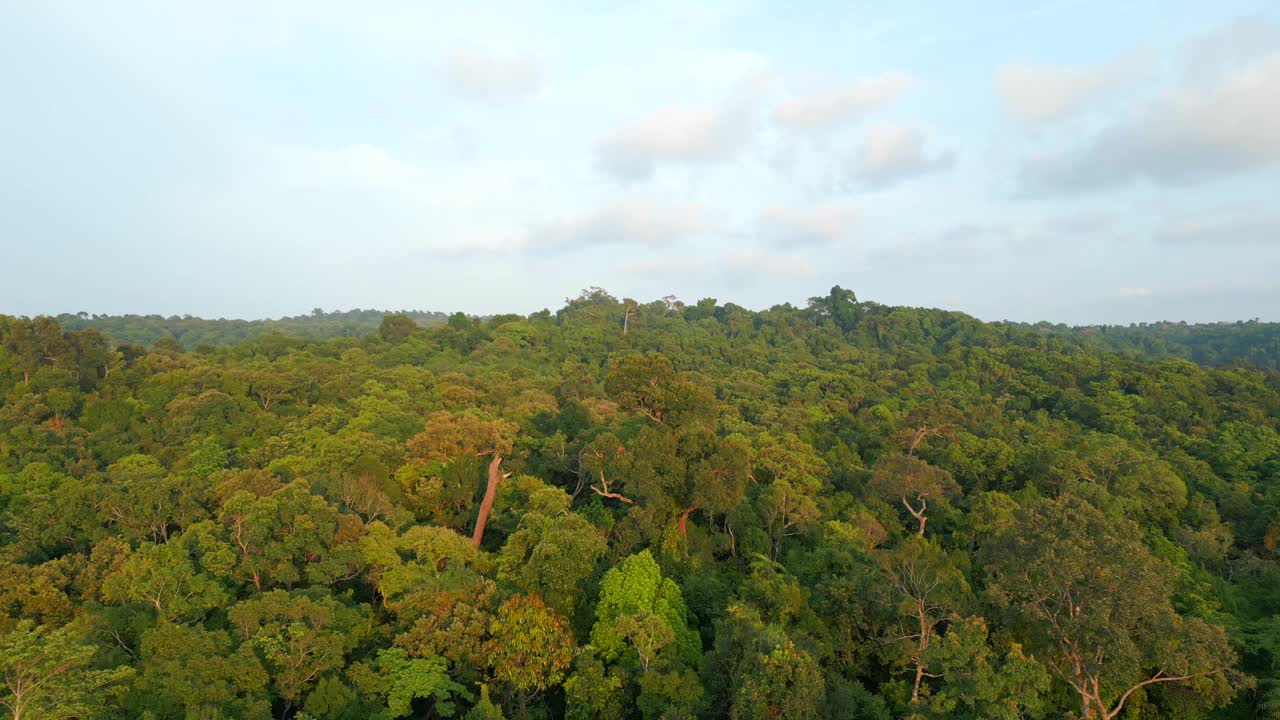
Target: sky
[1070, 161]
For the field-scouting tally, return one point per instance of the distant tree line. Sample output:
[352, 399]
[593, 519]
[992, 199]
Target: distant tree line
[192, 332]
[1250, 342]
[1212, 344]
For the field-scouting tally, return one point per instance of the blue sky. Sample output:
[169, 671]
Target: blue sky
[1073, 161]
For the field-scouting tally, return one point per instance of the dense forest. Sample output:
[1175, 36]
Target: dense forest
[193, 332]
[638, 510]
[1242, 343]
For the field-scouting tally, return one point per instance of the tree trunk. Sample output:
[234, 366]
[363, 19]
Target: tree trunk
[926, 633]
[919, 515]
[684, 519]
[614, 495]
[496, 476]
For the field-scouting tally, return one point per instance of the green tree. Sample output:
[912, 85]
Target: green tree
[145, 501]
[298, 636]
[530, 648]
[400, 680]
[786, 682]
[45, 512]
[1096, 605]
[983, 681]
[601, 462]
[717, 472]
[648, 384]
[484, 709]
[396, 328]
[795, 473]
[924, 589]
[635, 593]
[49, 674]
[192, 672]
[594, 691]
[449, 437]
[166, 578]
[841, 306]
[551, 555]
[422, 560]
[286, 538]
[36, 343]
[912, 482]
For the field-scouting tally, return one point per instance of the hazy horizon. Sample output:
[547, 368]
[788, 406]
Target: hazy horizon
[1069, 161]
[555, 306]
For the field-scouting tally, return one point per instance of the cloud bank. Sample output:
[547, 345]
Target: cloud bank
[474, 74]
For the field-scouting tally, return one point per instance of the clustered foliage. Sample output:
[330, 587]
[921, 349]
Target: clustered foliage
[193, 332]
[1244, 342]
[636, 511]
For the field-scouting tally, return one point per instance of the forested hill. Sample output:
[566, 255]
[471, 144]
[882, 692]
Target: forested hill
[1252, 343]
[192, 332]
[635, 512]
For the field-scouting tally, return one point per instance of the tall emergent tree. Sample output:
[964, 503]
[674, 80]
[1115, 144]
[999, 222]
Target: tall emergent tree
[1096, 605]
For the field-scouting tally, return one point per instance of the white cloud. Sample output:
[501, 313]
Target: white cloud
[1215, 122]
[1133, 292]
[827, 108]
[1243, 40]
[480, 75]
[734, 268]
[695, 132]
[892, 154]
[1081, 222]
[631, 223]
[681, 135]
[356, 201]
[816, 226]
[747, 264]
[990, 239]
[361, 165]
[1222, 227]
[669, 265]
[1043, 94]
[963, 242]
